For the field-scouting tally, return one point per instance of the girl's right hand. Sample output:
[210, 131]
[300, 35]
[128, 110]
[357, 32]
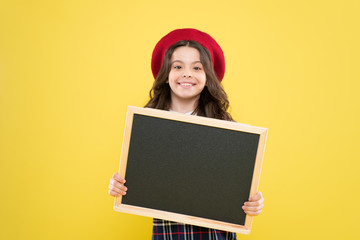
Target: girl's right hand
[116, 186]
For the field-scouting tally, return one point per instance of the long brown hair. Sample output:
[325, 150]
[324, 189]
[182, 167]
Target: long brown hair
[213, 101]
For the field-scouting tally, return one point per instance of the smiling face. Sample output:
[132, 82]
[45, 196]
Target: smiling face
[187, 77]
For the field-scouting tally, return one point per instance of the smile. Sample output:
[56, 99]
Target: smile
[186, 84]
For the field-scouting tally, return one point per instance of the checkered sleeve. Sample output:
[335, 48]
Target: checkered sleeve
[167, 230]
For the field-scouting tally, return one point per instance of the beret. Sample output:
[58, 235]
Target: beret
[217, 55]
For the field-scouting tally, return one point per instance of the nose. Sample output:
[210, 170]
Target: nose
[187, 74]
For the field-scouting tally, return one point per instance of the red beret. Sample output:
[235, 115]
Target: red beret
[203, 38]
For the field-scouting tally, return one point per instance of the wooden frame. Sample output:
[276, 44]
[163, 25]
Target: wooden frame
[171, 216]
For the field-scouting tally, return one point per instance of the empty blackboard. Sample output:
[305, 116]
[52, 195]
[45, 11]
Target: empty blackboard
[190, 169]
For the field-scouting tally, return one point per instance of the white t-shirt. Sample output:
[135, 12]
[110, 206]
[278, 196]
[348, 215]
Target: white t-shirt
[188, 113]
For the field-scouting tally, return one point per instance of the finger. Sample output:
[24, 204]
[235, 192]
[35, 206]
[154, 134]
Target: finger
[112, 188]
[115, 194]
[256, 203]
[253, 209]
[251, 213]
[256, 197]
[115, 189]
[118, 185]
[117, 177]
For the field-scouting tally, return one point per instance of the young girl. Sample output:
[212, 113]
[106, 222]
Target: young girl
[188, 66]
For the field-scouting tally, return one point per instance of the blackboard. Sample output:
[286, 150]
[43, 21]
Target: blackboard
[190, 169]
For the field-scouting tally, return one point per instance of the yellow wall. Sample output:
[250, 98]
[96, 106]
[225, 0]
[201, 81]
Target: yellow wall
[69, 69]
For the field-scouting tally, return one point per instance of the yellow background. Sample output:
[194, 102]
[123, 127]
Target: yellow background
[69, 69]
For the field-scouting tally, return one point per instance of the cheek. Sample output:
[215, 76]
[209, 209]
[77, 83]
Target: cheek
[202, 77]
[172, 79]
[172, 76]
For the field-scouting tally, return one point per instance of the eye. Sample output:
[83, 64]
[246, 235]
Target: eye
[197, 68]
[177, 67]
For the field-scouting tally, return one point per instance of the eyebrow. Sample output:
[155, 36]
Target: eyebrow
[183, 62]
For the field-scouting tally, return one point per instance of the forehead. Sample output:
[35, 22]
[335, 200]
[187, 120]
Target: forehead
[185, 53]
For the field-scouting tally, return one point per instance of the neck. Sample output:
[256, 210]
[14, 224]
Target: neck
[183, 105]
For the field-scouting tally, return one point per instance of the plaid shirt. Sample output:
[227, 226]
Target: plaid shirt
[167, 230]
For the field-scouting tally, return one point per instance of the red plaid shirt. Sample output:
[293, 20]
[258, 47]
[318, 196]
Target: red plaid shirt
[167, 230]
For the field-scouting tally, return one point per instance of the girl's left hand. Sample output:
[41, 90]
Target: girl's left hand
[255, 205]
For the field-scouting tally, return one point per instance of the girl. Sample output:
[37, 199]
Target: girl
[188, 66]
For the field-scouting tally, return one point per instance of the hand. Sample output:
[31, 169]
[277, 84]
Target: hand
[255, 205]
[116, 186]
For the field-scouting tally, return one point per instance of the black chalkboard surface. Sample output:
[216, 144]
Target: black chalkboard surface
[190, 169]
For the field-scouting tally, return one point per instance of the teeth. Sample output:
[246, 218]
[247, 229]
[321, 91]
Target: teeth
[186, 84]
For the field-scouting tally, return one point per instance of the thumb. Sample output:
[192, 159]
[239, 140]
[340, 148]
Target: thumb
[256, 197]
